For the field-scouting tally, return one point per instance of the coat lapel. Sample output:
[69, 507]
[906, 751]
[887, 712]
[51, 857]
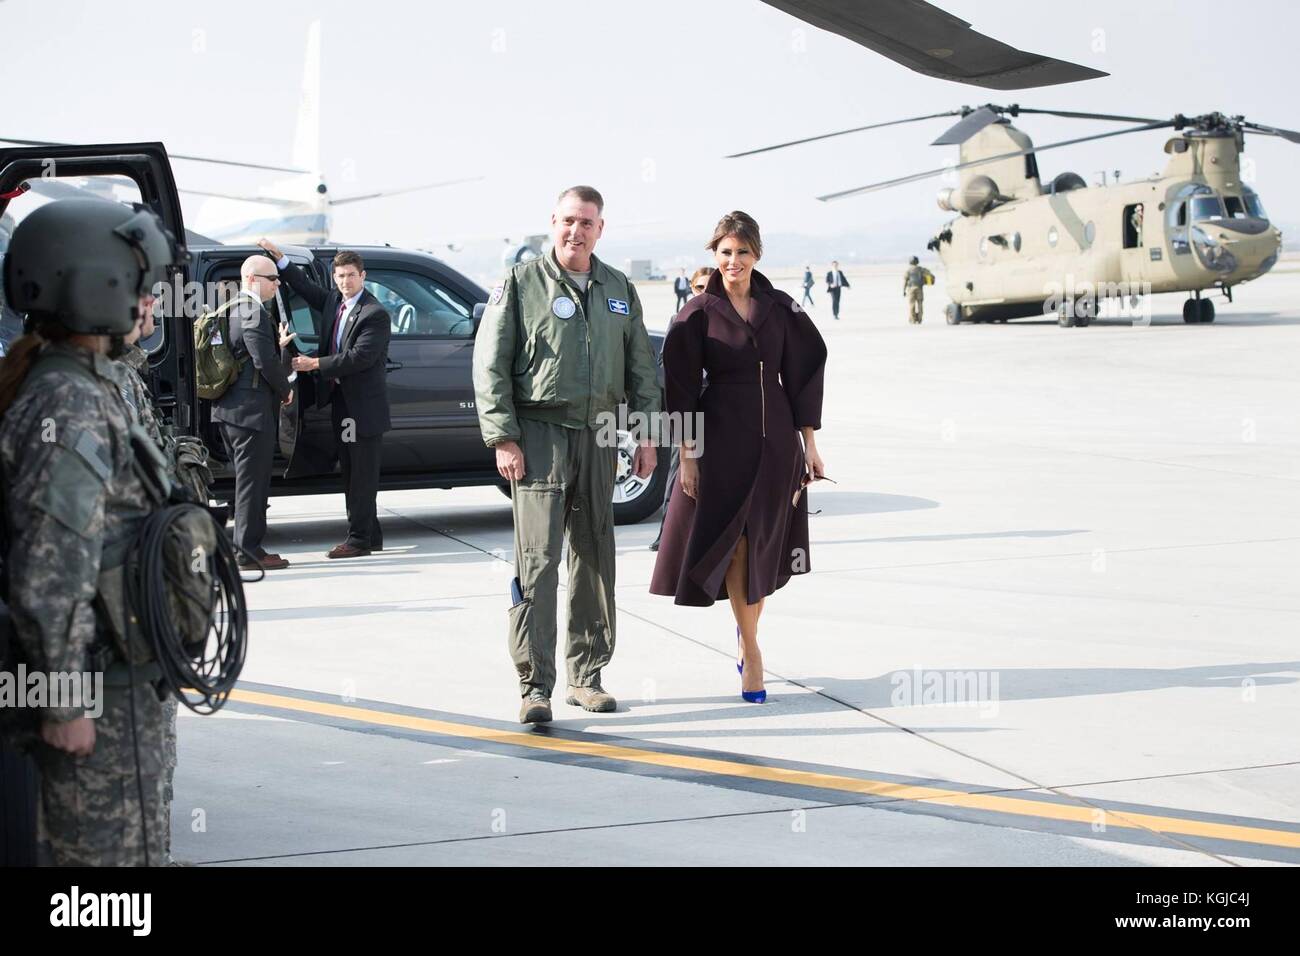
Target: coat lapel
[761, 300]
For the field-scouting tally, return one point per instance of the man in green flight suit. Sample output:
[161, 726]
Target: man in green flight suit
[561, 345]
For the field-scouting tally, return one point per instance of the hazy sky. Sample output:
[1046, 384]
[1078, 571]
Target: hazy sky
[640, 99]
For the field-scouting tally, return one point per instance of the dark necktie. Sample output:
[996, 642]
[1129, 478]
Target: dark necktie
[334, 329]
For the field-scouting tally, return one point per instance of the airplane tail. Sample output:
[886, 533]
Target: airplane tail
[306, 140]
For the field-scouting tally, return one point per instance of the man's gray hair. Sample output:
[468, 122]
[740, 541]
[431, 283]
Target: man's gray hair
[586, 194]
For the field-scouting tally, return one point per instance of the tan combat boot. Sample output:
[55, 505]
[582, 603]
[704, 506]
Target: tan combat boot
[591, 698]
[535, 709]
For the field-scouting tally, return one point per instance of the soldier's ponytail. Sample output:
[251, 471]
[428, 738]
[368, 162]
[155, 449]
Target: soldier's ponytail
[21, 356]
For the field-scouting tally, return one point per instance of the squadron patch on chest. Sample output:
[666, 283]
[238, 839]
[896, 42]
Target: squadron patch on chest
[617, 306]
[564, 307]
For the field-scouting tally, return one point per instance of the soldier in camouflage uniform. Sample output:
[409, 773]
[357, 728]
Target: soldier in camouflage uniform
[915, 279]
[73, 502]
[136, 393]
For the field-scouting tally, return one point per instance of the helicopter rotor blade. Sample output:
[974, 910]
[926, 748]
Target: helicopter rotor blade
[1289, 135]
[967, 127]
[917, 177]
[1070, 114]
[171, 155]
[931, 41]
[843, 132]
[985, 115]
[404, 190]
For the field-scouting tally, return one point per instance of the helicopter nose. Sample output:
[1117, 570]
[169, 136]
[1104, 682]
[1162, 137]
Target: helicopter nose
[1253, 243]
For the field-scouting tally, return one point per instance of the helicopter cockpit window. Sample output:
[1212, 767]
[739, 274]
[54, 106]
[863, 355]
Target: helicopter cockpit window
[1236, 208]
[1206, 207]
[1253, 206]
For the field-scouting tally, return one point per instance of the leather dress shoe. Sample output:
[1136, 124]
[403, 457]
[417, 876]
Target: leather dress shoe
[268, 562]
[346, 550]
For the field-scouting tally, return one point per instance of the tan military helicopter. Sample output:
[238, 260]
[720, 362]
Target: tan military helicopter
[1020, 248]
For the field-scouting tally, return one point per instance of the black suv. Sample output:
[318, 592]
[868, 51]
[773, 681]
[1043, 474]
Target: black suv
[435, 440]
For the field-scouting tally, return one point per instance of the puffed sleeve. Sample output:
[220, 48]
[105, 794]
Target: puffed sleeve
[683, 358]
[803, 367]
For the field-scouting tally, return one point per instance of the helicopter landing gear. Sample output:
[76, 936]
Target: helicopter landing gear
[1198, 310]
[1077, 313]
[952, 313]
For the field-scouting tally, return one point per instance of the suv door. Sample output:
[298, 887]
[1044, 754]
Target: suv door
[430, 355]
[58, 171]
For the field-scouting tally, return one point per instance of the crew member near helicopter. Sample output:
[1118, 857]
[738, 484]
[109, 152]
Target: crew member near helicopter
[915, 279]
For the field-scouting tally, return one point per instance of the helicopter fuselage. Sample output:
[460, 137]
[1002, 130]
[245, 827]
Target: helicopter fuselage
[1194, 227]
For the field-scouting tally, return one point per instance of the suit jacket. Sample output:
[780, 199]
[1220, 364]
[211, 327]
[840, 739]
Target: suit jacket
[359, 367]
[253, 401]
[681, 285]
[844, 282]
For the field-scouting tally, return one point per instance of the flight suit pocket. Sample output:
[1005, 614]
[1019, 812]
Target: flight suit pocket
[520, 648]
[524, 359]
[537, 384]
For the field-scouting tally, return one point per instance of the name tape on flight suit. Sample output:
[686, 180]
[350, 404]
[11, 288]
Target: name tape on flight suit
[617, 306]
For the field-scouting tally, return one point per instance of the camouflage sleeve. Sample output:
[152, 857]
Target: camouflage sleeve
[145, 409]
[494, 359]
[59, 465]
[640, 362]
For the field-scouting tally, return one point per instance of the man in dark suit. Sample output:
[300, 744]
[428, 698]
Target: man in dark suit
[835, 284]
[682, 288]
[352, 376]
[248, 411]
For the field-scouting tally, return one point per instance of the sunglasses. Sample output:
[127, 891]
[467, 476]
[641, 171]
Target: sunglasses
[272, 278]
[699, 287]
[808, 480]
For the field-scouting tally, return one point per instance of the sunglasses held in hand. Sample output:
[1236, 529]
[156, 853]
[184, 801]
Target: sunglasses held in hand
[804, 483]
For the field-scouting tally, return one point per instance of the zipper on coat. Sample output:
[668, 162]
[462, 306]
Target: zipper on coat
[762, 391]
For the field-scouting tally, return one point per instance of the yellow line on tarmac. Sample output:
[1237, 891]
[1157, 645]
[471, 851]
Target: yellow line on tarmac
[993, 803]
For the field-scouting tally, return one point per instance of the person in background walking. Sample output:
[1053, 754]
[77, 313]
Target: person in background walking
[835, 284]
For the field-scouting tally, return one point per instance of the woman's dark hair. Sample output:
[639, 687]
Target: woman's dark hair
[21, 356]
[743, 227]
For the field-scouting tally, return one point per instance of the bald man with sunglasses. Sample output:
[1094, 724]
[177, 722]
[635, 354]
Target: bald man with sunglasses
[248, 413]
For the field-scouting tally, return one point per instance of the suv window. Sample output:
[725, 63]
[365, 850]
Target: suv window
[420, 307]
[300, 318]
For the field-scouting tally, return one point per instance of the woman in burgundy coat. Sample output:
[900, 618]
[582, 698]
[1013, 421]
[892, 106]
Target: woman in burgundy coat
[737, 523]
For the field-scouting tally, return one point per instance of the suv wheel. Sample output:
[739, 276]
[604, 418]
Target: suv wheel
[636, 499]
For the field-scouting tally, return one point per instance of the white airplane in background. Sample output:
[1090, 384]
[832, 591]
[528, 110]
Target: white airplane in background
[300, 205]
[303, 206]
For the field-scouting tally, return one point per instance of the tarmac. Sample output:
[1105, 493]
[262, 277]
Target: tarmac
[1051, 619]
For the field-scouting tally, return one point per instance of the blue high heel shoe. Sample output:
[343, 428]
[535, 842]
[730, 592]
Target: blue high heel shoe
[749, 696]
